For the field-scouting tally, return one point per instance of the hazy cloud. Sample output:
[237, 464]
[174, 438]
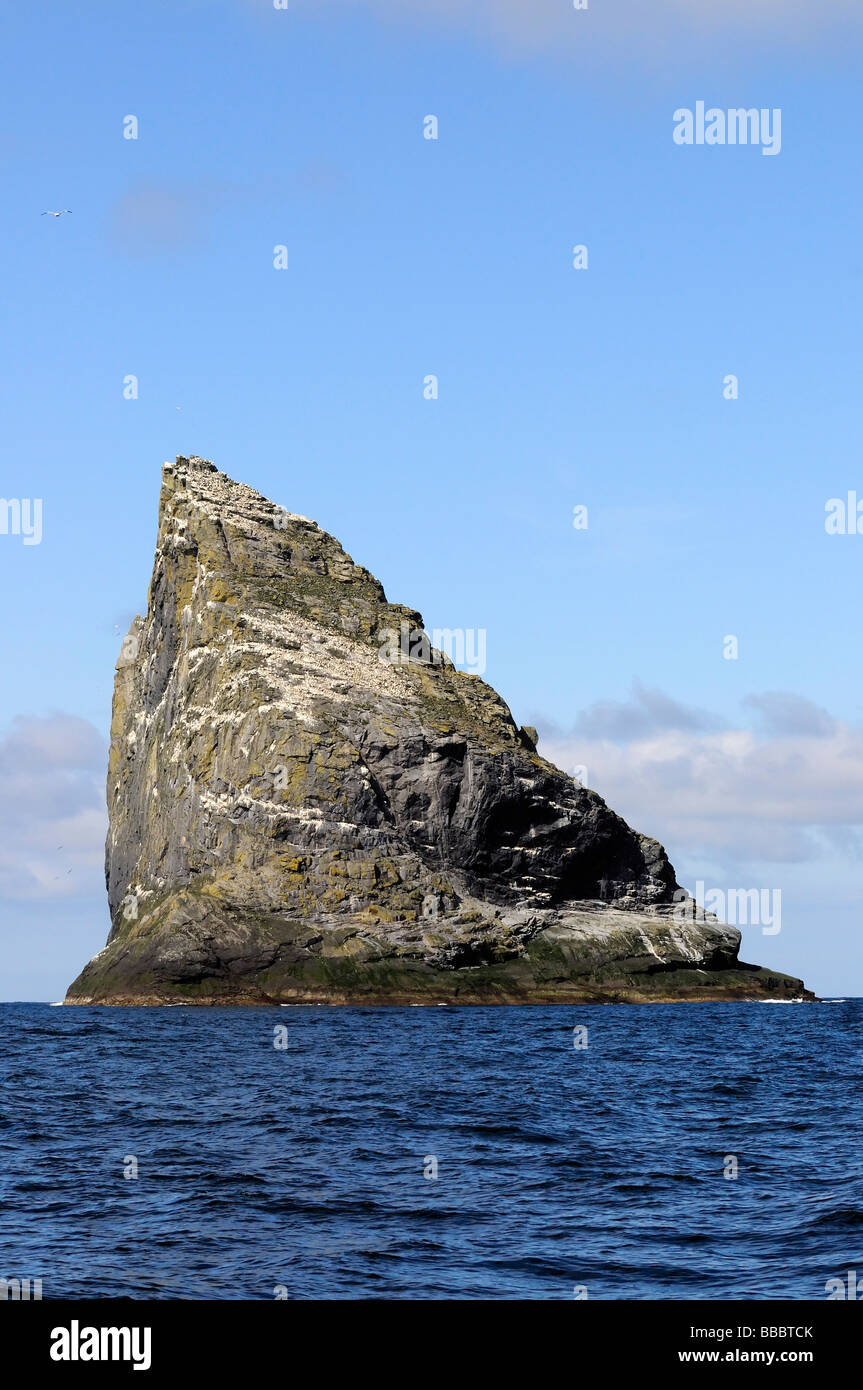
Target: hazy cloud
[649, 711]
[784, 713]
[321, 178]
[153, 219]
[52, 808]
[665, 26]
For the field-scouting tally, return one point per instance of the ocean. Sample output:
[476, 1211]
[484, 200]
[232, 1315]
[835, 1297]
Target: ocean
[692, 1151]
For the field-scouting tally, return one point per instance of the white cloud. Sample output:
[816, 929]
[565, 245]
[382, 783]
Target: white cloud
[52, 808]
[793, 795]
[788, 795]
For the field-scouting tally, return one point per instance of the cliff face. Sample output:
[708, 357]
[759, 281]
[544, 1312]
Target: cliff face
[299, 810]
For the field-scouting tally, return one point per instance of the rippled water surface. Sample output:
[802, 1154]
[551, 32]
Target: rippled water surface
[557, 1166]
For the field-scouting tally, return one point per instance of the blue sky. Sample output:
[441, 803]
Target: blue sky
[557, 387]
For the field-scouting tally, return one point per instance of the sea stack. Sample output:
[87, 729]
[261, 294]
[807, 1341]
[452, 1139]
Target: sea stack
[303, 809]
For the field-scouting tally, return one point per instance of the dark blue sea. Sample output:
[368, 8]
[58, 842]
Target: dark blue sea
[302, 1171]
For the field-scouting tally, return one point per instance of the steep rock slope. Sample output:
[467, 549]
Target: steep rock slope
[309, 803]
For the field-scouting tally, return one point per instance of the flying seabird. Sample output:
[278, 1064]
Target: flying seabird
[49, 213]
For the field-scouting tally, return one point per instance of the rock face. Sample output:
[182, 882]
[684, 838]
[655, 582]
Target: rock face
[308, 803]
